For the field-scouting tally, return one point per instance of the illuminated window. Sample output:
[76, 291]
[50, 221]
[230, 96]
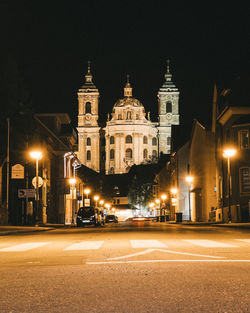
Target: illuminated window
[244, 139]
[112, 154]
[112, 140]
[245, 179]
[128, 139]
[154, 141]
[145, 139]
[88, 141]
[88, 107]
[145, 154]
[88, 155]
[169, 107]
[129, 154]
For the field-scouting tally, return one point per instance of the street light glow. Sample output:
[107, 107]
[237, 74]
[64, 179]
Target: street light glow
[189, 179]
[174, 191]
[86, 191]
[72, 181]
[163, 197]
[101, 202]
[228, 153]
[157, 201]
[96, 198]
[37, 155]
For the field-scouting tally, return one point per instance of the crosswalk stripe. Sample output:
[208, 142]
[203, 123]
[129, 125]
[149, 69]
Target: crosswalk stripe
[85, 245]
[24, 246]
[210, 244]
[147, 244]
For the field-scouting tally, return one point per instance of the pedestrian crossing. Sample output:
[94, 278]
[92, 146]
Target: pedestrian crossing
[135, 244]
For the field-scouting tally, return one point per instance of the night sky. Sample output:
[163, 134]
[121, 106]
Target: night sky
[51, 42]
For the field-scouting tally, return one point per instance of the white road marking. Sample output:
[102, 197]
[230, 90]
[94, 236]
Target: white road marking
[244, 240]
[24, 246]
[147, 244]
[210, 244]
[85, 245]
[166, 261]
[165, 251]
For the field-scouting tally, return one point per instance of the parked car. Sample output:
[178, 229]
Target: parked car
[90, 216]
[111, 219]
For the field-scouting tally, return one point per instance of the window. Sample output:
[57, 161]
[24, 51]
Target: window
[145, 154]
[118, 201]
[169, 141]
[88, 141]
[112, 140]
[154, 141]
[244, 139]
[129, 115]
[112, 154]
[128, 139]
[245, 179]
[129, 154]
[137, 116]
[169, 107]
[88, 155]
[119, 117]
[111, 170]
[88, 107]
[145, 139]
[154, 154]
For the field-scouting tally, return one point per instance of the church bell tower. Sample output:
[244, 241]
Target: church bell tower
[168, 112]
[88, 129]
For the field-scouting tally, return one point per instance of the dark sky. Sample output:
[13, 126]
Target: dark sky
[52, 41]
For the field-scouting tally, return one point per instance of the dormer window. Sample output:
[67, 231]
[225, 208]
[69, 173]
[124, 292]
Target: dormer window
[88, 108]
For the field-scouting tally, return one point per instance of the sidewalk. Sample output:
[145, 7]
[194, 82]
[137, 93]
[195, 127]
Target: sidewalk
[236, 225]
[9, 230]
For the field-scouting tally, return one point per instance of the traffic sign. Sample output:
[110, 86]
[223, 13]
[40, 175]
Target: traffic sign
[40, 182]
[17, 171]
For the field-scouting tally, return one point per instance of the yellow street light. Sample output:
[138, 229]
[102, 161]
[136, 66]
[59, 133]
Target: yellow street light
[87, 192]
[228, 154]
[96, 198]
[101, 202]
[163, 197]
[174, 191]
[36, 155]
[72, 181]
[157, 201]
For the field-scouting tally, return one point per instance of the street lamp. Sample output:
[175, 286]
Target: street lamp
[87, 192]
[158, 204]
[173, 203]
[163, 198]
[96, 198]
[189, 180]
[72, 182]
[36, 155]
[228, 154]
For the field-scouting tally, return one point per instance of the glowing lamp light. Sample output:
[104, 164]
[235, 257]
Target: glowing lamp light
[228, 153]
[174, 191]
[101, 202]
[72, 181]
[96, 198]
[86, 191]
[37, 155]
[189, 179]
[107, 205]
[163, 197]
[157, 201]
[151, 204]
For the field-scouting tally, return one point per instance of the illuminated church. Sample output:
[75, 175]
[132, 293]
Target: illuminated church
[129, 137]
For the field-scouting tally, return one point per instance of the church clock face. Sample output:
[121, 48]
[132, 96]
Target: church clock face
[88, 117]
[169, 116]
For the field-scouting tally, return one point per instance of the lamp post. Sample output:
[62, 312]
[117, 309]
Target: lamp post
[189, 180]
[96, 198]
[228, 154]
[87, 200]
[36, 155]
[158, 203]
[72, 182]
[173, 202]
[163, 198]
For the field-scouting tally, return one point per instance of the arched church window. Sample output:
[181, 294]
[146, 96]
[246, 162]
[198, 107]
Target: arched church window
[169, 141]
[154, 141]
[145, 139]
[128, 139]
[112, 154]
[169, 107]
[129, 115]
[154, 154]
[112, 140]
[88, 141]
[145, 154]
[88, 107]
[129, 154]
[137, 116]
[111, 170]
[88, 155]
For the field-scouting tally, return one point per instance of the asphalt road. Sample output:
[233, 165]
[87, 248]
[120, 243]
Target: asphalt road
[143, 267]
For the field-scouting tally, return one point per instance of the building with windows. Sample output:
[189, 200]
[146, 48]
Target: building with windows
[129, 137]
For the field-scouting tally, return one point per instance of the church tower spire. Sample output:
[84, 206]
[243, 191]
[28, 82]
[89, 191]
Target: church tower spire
[168, 111]
[128, 88]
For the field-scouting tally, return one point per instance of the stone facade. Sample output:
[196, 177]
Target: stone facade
[129, 137]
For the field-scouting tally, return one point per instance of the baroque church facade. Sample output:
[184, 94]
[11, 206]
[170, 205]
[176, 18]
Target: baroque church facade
[129, 137]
